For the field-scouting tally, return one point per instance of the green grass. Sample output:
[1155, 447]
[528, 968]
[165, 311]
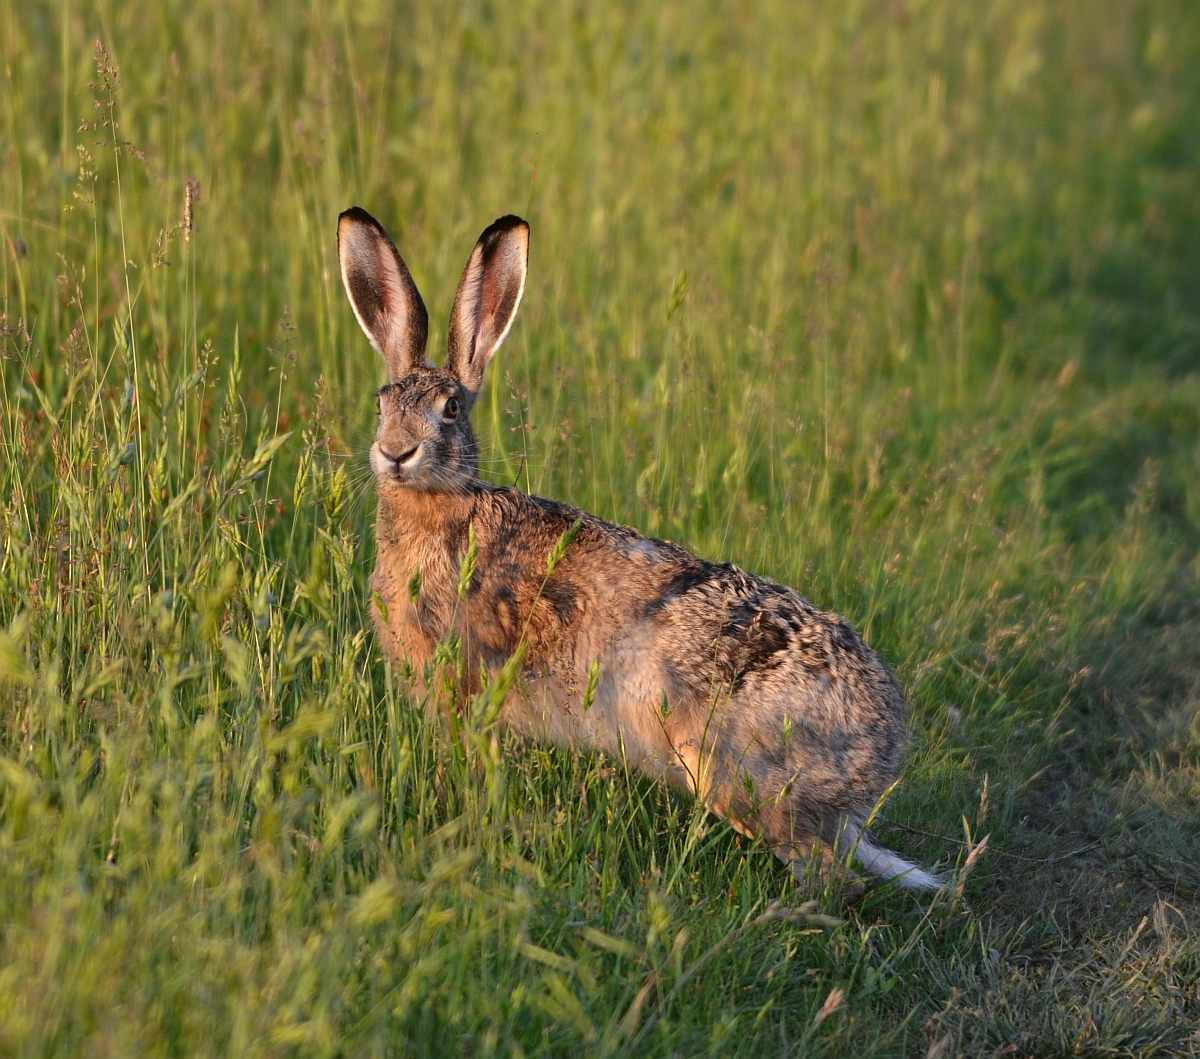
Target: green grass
[898, 303]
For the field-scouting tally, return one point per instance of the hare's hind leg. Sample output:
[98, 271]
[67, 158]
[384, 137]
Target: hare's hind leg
[815, 866]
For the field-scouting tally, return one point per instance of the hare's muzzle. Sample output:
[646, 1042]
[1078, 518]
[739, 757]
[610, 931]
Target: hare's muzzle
[397, 466]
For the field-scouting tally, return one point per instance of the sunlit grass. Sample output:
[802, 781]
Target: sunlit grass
[897, 303]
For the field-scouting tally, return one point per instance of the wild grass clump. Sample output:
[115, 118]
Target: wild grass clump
[897, 303]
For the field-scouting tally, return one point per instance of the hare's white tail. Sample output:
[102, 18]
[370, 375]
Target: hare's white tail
[883, 863]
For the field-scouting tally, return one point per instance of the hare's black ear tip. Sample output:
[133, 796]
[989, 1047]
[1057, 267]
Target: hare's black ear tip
[506, 224]
[357, 215]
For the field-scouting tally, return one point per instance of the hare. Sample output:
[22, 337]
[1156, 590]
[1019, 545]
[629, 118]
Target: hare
[774, 713]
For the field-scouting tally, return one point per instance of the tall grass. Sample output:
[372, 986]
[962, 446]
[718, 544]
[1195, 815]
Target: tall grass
[897, 303]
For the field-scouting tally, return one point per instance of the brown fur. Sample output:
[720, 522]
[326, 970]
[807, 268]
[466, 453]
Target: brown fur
[730, 685]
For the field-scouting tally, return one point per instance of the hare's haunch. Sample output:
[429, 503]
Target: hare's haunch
[773, 712]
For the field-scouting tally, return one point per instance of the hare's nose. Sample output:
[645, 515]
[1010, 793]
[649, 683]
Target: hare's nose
[404, 457]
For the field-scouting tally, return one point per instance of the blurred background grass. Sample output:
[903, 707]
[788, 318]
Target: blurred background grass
[896, 302]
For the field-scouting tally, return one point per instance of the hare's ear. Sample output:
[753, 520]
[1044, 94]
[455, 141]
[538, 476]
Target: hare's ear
[385, 299]
[487, 299]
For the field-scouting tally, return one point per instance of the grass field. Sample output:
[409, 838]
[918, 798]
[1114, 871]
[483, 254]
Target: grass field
[896, 302]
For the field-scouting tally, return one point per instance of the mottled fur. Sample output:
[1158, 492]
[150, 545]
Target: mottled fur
[730, 685]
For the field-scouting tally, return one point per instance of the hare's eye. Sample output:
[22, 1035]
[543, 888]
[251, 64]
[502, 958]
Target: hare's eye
[378, 405]
[450, 411]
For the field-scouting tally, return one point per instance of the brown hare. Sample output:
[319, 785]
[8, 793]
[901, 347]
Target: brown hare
[773, 712]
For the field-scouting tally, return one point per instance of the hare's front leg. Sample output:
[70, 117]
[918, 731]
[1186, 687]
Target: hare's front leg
[399, 627]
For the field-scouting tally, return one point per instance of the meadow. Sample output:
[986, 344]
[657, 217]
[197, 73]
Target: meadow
[895, 301]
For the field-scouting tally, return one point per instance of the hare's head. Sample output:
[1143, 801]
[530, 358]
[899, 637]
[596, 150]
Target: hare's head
[425, 440]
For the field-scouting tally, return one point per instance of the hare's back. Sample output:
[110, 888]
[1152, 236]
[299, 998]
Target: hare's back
[713, 624]
[774, 655]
